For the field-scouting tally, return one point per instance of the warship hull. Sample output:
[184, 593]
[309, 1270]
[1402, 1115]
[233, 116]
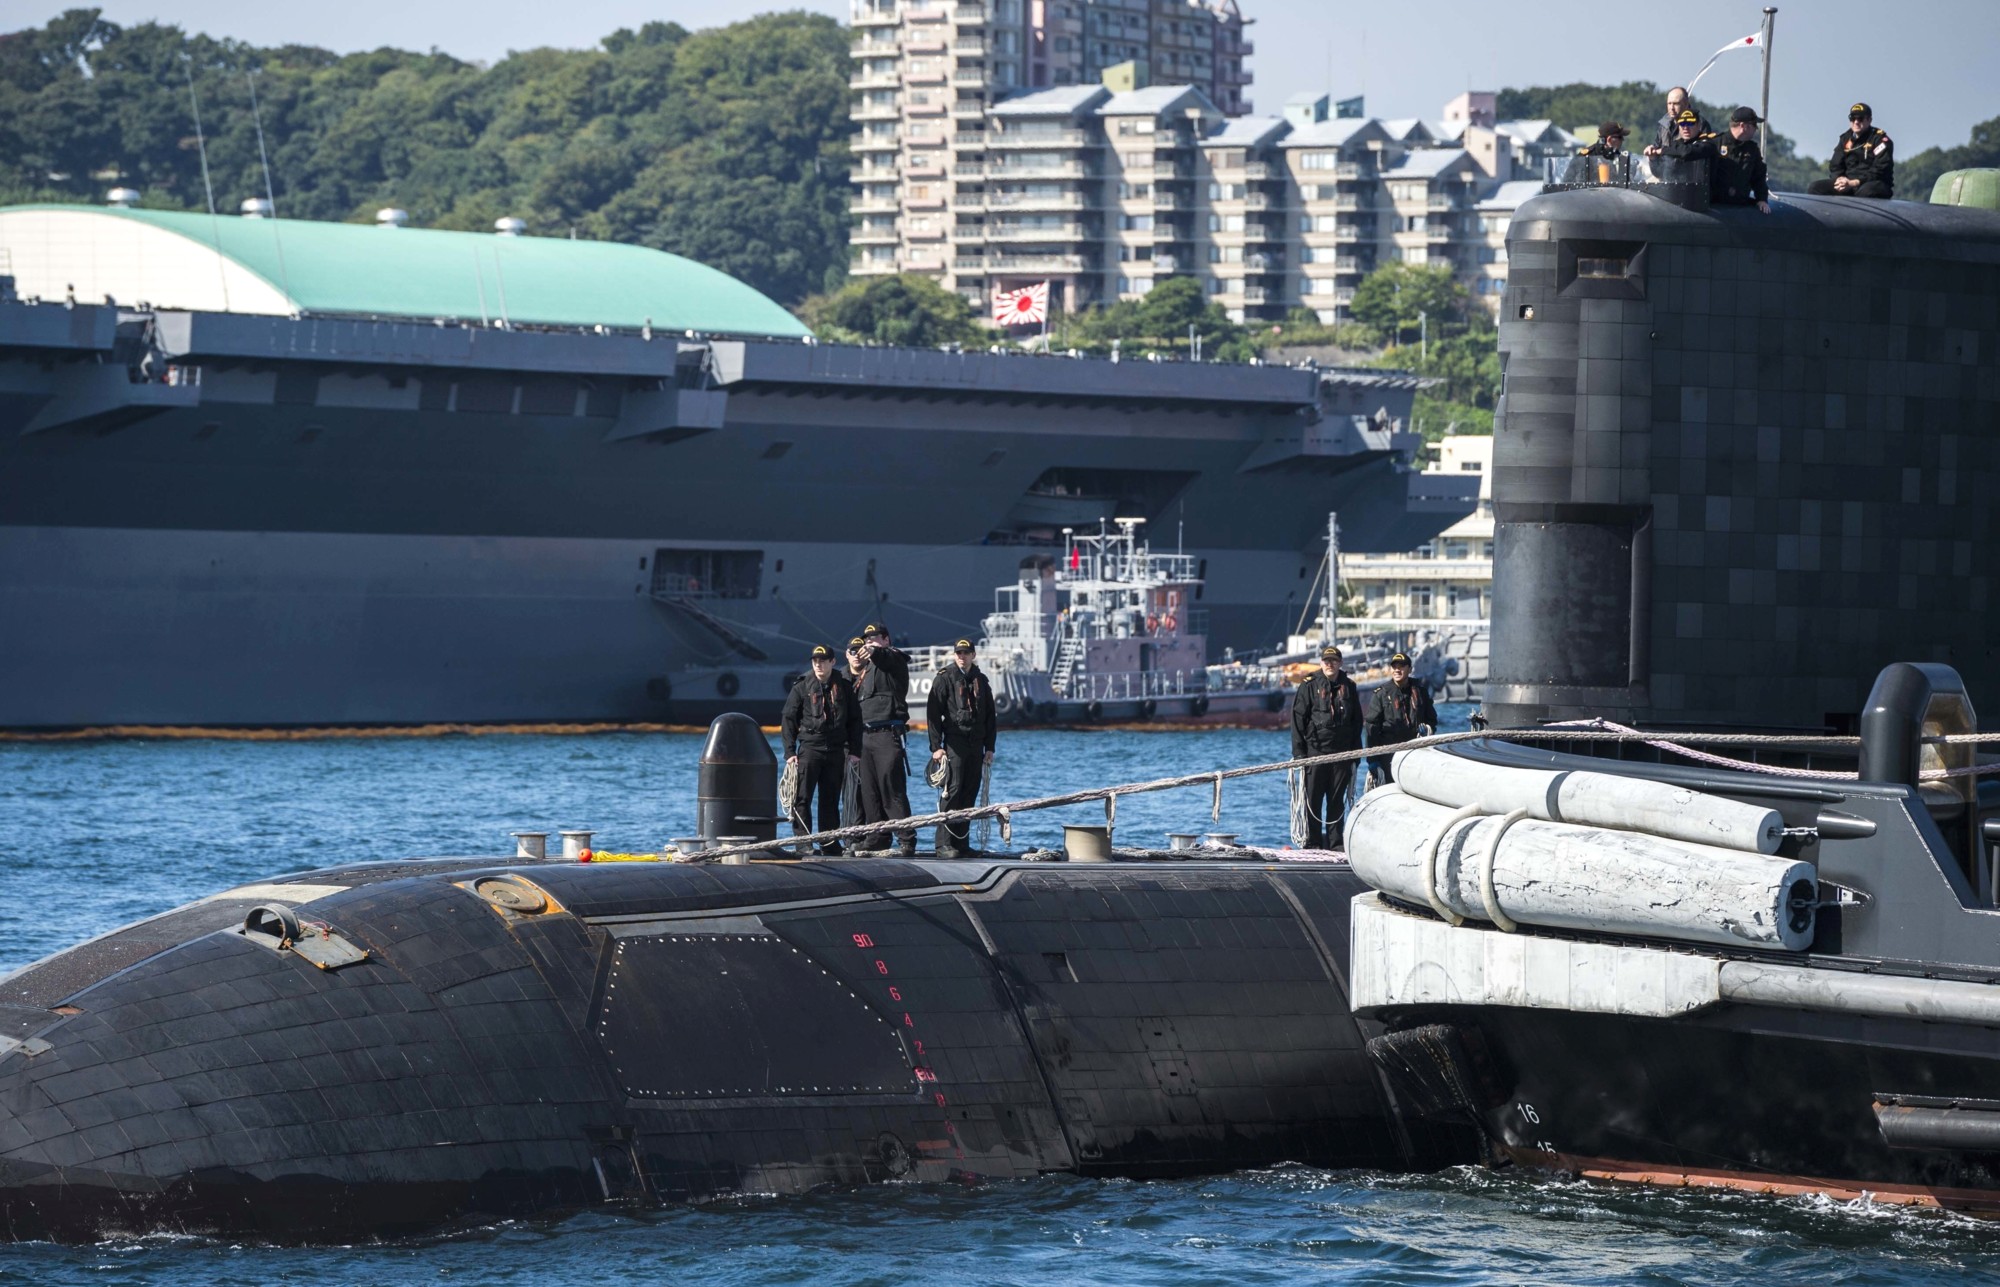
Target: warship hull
[225, 520]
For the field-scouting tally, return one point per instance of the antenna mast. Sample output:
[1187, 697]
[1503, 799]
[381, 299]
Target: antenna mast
[201, 146]
[270, 195]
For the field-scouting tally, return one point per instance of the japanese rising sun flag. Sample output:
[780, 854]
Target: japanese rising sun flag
[1753, 41]
[1028, 306]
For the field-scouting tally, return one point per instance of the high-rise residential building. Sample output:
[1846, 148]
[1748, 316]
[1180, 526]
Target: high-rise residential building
[927, 76]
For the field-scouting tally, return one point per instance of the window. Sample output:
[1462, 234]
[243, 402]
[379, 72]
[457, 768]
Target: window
[1232, 254]
[1215, 285]
[1319, 160]
[1319, 286]
[1136, 223]
[1420, 600]
[1215, 254]
[1231, 223]
[1416, 255]
[1325, 223]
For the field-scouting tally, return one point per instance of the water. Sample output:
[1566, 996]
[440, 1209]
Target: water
[101, 833]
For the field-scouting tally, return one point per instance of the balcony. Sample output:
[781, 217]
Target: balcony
[1037, 264]
[877, 18]
[1026, 201]
[969, 15]
[1172, 201]
[874, 80]
[925, 15]
[924, 109]
[969, 110]
[1164, 170]
[1346, 264]
[1264, 265]
[875, 143]
[1063, 232]
[1258, 171]
[1439, 201]
[1437, 232]
[1030, 173]
[1348, 171]
[1346, 203]
[1044, 139]
[929, 42]
[873, 205]
[1160, 263]
[933, 76]
[1171, 140]
[872, 237]
[968, 170]
[968, 76]
[969, 47]
[1347, 232]
[1257, 295]
[873, 112]
[1267, 201]
[969, 264]
[1263, 232]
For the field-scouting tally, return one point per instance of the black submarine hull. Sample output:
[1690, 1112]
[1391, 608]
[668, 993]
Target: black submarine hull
[527, 1038]
[1894, 1110]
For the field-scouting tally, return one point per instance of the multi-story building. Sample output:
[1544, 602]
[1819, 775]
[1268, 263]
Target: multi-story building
[1448, 578]
[926, 74]
[999, 144]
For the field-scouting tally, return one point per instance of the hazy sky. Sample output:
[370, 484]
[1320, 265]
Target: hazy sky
[1925, 65]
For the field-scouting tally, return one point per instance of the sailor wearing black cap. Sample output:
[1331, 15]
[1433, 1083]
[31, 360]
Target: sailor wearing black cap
[1691, 140]
[1610, 141]
[963, 729]
[1326, 717]
[1397, 712]
[1863, 163]
[882, 688]
[1738, 175]
[821, 733]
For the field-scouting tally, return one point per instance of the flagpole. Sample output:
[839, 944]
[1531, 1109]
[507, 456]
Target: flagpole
[1764, 108]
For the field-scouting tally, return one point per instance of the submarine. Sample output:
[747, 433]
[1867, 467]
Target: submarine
[382, 1049]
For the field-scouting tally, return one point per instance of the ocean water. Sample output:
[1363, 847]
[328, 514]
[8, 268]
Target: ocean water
[97, 834]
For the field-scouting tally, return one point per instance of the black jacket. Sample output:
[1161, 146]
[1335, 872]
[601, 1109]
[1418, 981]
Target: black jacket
[884, 688]
[1601, 148]
[1870, 158]
[1738, 177]
[961, 708]
[1667, 132]
[1326, 716]
[1699, 148]
[824, 716]
[1394, 713]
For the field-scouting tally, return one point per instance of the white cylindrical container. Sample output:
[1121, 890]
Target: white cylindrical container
[1590, 800]
[1585, 878]
[574, 843]
[531, 844]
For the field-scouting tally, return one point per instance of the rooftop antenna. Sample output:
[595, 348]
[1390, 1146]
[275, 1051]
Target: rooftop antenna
[201, 145]
[270, 194]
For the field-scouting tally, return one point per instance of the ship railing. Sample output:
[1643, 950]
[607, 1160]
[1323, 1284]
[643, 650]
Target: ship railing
[678, 585]
[1121, 685]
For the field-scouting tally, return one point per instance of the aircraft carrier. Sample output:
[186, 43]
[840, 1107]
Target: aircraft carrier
[260, 472]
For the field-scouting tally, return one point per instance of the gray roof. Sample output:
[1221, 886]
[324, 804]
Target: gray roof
[1248, 131]
[1509, 195]
[1527, 131]
[1337, 132]
[1155, 99]
[1403, 128]
[1428, 163]
[1064, 100]
[1442, 130]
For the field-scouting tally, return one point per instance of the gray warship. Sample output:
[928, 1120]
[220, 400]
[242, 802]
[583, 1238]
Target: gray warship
[264, 472]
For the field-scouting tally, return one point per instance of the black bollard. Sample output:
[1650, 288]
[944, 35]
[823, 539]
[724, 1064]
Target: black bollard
[737, 790]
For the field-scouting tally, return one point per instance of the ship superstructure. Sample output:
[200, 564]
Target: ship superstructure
[338, 516]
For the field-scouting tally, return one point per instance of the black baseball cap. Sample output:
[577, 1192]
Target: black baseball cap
[874, 628]
[1400, 659]
[1747, 115]
[854, 644]
[820, 650]
[1329, 651]
[1860, 110]
[1687, 117]
[963, 645]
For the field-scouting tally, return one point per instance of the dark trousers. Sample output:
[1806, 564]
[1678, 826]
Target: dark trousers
[1327, 786]
[820, 773]
[1873, 188]
[965, 765]
[885, 792]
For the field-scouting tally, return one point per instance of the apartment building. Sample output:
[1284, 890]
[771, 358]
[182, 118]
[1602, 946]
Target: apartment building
[1449, 578]
[997, 144]
[927, 76]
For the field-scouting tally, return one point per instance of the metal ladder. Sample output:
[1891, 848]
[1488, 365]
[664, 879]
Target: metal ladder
[1069, 655]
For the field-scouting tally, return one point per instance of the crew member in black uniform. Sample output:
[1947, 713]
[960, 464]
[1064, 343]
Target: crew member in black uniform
[963, 727]
[821, 733]
[1691, 142]
[882, 686]
[1677, 102]
[1863, 163]
[1738, 176]
[1397, 712]
[1326, 717]
[1610, 141]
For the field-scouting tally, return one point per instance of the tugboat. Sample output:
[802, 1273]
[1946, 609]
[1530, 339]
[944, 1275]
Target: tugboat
[1109, 632]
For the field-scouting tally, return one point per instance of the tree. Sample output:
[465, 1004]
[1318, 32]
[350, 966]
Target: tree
[1160, 322]
[1917, 175]
[727, 145]
[1398, 299]
[908, 309]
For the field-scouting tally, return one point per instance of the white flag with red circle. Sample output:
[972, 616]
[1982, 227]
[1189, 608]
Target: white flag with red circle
[1755, 40]
[1028, 306]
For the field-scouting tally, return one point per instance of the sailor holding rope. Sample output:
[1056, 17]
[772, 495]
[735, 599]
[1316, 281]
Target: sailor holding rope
[821, 732]
[963, 729]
